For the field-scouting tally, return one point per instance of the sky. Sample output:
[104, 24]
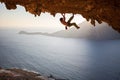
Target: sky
[21, 19]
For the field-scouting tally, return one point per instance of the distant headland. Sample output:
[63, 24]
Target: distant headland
[87, 31]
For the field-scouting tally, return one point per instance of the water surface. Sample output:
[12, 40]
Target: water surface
[75, 59]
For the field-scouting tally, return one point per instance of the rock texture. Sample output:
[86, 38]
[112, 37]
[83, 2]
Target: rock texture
[18, 74]
[99, 10]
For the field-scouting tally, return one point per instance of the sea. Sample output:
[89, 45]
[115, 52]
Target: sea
[68, 58]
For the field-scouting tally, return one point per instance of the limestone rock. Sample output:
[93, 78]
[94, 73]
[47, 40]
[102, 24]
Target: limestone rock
[99, 10]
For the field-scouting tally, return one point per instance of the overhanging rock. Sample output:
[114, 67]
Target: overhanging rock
[99, 10]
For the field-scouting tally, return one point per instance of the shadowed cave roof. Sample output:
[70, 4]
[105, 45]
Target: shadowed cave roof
[99, 10]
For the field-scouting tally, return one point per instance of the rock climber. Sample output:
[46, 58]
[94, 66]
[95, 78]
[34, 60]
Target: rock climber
[68, 23]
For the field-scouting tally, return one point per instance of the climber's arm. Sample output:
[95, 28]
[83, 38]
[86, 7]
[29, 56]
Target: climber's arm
[63, 16]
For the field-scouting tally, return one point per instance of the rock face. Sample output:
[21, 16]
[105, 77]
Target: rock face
[18, 74]
[99, 10]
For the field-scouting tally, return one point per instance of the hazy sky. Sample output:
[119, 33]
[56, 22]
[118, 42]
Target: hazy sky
[19, 18]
